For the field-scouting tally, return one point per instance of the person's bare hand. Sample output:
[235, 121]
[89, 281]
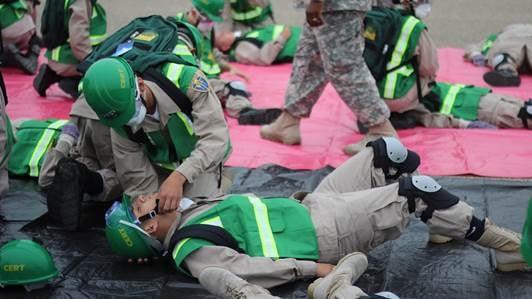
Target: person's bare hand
[236, 71]
[171, 192]
[286, 33]
[313, 13]
[323, 269]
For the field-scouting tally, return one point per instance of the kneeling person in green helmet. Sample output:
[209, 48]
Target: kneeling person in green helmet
[240, 244]
[159, 146]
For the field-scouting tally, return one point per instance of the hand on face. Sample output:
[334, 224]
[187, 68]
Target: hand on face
[171, 192]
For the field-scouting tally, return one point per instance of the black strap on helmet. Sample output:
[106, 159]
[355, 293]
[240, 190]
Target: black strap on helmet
[151, 214]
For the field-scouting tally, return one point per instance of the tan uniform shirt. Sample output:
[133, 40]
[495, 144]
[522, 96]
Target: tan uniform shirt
[79, 36]
[139, 176]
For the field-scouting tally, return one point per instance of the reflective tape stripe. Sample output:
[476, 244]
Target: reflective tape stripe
[181, 50]
[56, 53]
[269, 248]
[216, 221]
[169, 166]
[187, 122]
[174, 72]
[97, 39]
[179, 246]
[450, 97]
[66, 4]
[397, 56]
[42, 146]
[210, 69]
[277, 30]
[94, 12]
[250, 14]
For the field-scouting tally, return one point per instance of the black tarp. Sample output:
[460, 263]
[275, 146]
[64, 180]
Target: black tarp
[408, 266]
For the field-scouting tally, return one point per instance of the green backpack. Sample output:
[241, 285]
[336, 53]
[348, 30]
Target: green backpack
[145, 42]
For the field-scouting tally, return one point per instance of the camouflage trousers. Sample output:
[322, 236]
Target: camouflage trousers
[333, 52]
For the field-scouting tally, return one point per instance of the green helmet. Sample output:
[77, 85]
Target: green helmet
[125, 236]
[24, 262]
[211, 8]
[110, 88]
[192, 34]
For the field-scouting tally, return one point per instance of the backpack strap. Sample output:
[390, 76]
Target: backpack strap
[214, 234]
[179, 98]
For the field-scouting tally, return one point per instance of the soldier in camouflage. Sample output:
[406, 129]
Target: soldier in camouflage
[330, 49]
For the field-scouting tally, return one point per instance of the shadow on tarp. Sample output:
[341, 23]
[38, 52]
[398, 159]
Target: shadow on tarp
[408, 266]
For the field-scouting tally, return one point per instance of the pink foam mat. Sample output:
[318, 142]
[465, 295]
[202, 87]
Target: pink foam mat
[331, 126]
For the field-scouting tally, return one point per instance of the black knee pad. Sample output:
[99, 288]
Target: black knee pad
[389, 152]
[525, 113]
[426, 188]
[237, 88]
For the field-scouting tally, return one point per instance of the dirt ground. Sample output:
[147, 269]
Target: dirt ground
[453, 23]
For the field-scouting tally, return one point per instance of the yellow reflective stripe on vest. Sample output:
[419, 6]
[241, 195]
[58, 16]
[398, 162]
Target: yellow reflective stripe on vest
[56, 52]
[250, 14]
[174, 72]
[450, 97]
[42, 146]
[181, 50]
[97, 39]
[188, 123]
[216, 221]
[210, 69]
[397, 56]
[277, 30]
[269, 248]
[168, 166]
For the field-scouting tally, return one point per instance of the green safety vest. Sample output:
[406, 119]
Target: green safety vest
[274, 227]
[208, 63]
[270, 33]
[244, 12]
[12, 12]
[398, 83]
[34, 138]
[488, 43]
[458, 100]
[526, 243]
[9, 142]
[97, 31]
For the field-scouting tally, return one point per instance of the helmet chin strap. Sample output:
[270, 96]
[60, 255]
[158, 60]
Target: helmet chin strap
[151, 214]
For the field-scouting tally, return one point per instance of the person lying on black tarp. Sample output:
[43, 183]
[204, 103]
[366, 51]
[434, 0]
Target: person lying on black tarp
[238, 245]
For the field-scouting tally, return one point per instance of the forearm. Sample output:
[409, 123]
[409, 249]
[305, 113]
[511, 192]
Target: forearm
[261, 271]
[212, 133]
[79, 28]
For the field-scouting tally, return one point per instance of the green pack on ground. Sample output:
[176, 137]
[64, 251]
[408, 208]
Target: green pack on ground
[526, 243]
[33, 139]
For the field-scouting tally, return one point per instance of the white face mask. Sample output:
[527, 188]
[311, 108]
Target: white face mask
[140, 111]
[138, 117]
[423, 10]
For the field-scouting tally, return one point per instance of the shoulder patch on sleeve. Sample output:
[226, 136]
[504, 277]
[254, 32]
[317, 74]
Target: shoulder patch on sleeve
[200, 83]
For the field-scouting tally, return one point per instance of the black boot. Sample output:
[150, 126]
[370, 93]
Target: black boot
[70, 86]
[72, 180]
[502, 77]
[45, 79]
[252, 116]
[27, 63]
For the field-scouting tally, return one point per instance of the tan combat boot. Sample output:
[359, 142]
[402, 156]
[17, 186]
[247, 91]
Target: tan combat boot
[339, 283]
[375, 132]
[439, 239]
[227, 285]
[506, 245]
[284, 129]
